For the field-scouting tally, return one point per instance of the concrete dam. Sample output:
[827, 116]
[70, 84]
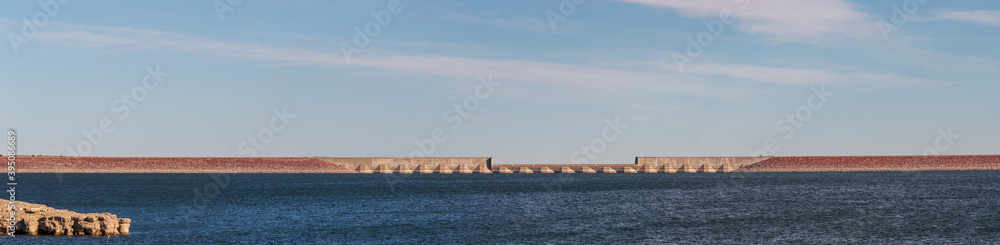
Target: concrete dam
[446, 165]
[60, 164]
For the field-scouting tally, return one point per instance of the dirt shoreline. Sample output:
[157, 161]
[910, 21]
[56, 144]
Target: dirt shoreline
[60, 164]
[906, 169]
[188, 171]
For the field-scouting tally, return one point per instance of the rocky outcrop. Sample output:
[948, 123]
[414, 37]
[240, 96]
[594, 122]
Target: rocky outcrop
[37, 219]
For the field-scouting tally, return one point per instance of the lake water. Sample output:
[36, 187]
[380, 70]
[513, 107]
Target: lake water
[871, 207]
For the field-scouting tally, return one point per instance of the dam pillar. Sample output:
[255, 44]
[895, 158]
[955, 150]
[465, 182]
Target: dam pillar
[403, 169]
[588, 170]
[364, 169]
[546, 170]
[629, 170]
[483, 169]
[646, 168]
[608, 170]
[725, 168]
[443, 169]
[666, 168]
[424, 169]
[525, 170]
[566, 169]
[505, 170]
[706, 168]
[383, 169]
[462, 168]
[686, 168]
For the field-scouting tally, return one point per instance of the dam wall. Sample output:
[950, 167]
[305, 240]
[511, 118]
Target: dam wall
[563, 168]
[428, 165]
[59, 164]
[641, 165]
[700, 164]
[413, 164]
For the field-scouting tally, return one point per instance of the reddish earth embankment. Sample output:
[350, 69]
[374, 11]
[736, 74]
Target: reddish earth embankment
[875, 163]
[55, 164]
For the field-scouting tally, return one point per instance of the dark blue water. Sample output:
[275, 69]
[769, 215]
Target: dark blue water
[879, 207]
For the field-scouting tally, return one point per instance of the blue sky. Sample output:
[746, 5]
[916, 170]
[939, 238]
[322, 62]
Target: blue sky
[915, 81]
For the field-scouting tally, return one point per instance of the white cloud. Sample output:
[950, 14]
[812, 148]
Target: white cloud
[979, 16]
[782, 20]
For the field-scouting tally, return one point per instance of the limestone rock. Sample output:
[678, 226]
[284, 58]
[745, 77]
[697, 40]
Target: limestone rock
[37, 219]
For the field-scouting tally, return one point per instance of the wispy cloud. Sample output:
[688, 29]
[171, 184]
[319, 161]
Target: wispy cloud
[589, 79]
[799, 76]
[521, 22]
[574, 80]
[127, 39]
[987, 17]
[782, 20]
